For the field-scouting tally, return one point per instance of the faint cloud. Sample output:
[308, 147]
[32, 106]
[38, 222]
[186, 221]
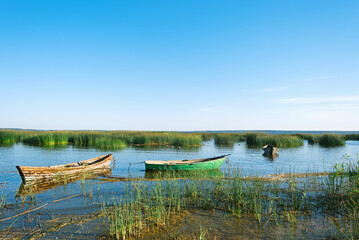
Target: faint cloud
[212, 109]
[315, 78]
[306, 100]
[296, 82]
[274, 89]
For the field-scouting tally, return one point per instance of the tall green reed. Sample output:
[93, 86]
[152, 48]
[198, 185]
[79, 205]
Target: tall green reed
[47, 138]
[8, 137]
[283, 140]
[228, 139]
[331, 140]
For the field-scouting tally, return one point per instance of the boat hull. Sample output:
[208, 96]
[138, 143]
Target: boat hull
[43, 173]
[182, 165]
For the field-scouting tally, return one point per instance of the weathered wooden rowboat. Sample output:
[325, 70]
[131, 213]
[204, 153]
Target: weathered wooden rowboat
[187, 165]
[41, 173]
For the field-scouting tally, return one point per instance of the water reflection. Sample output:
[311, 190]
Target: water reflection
[155, 148]
[6, 145]
[271, 157]
[39, 186]
[213, 173]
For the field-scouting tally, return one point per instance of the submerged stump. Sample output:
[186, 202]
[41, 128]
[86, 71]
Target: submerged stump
[270, 150]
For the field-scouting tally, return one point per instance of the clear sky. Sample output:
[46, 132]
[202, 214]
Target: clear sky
[179, 65]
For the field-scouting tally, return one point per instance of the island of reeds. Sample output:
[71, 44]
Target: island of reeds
[121, 139]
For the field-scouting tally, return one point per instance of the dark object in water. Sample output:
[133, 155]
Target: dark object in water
[269, 150]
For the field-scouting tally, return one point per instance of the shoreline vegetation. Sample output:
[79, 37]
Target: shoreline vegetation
[121, 139]
[277, 205]
[284, 201]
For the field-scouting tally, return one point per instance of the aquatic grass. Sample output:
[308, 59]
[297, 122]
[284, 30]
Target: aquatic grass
[141, 208]
[153, 204]
[228, 139]
[2, 197]
[121, 139]
[283, 140]
[137, 138]
[97, 140]
[47, 138]
[331, 140]
[340, 198]
[8, 137]
[312, 138]
[206, 136]
[352, 137]
[328, 139]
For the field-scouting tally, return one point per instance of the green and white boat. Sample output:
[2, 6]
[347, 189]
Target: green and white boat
[187, 165]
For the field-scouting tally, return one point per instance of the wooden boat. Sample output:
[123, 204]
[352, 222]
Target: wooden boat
[45, 184]
[41, 173]
[187, 165]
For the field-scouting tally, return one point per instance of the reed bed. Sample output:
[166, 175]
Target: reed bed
[8, 137]
[207, 136]
[283, 140]
[47, 138]
[328, 139]
[147, 206]
[97, 140]
[312, 138]
[331, 140]
[352, 137]
[228, 139]
[121, 139]
[2, 197]
[101, 139]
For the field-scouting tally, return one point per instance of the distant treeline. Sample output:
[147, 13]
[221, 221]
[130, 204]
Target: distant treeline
[121, 139]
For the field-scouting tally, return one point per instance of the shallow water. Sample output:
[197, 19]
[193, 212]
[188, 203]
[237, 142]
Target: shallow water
[86, 196]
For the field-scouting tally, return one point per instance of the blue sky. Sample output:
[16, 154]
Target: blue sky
[179, 65]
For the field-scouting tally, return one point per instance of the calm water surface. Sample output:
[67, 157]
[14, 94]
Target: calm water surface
[308, 158]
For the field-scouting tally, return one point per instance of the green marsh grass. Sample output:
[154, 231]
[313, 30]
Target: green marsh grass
[331, 140]
[101, 139]
[8, 137]
[97, 140]
[228, 139]
[121, 139]
[328, 139]
[312, 138]
[150, 206]
[283, 140]
[352, 137]
[2, 197]
[47, 138]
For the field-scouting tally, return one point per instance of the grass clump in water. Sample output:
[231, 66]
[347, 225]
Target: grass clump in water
[228, 139]
[312, 138]
[331, 140]
[47, 138]
[143, 208]
[2, 197]
[147, 206]
[283, 140]
[8, 137]
[97, 140]
[352, 137]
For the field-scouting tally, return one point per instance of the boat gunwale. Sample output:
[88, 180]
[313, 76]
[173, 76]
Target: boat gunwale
[185, 161]
[27, 172]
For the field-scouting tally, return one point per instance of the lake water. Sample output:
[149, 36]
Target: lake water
[308, 158]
